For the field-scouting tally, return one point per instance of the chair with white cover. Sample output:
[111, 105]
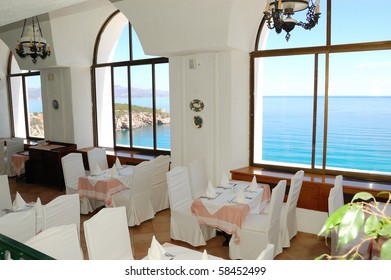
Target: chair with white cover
[258, 230]
[184, 225]
[73, 168]
[2, 160]
[159, 192]
[59, 242]
[198, 177]
[267, 253]
[107, 235]
[137, 197]
[335, 201]
[5, 195]
[14, 146]
[63, 210]
[20, 225]
[97, 156]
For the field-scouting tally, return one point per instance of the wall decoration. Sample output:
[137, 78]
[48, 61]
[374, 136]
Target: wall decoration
[196, 105]
[197, 121]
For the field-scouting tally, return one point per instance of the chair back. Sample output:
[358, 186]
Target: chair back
[274, 214]
[159, 196]
[142, 175]
[2, 162]
[63, 210]
[107, 235]
[335, 199]
[60, 242]
[179, 192]
[97, 156]
[5, 195]
[19, 225]
[73, 168]
[267, 253]
[198, 177]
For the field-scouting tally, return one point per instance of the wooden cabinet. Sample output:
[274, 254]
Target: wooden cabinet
[45, 163]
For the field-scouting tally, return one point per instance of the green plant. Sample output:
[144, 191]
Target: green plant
[362, 214]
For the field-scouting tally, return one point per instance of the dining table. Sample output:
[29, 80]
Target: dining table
[18, 163]
[104, 185]
[224, 212]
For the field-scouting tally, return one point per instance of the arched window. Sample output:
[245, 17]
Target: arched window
[130, 92]
[26, 102]
[322, 100]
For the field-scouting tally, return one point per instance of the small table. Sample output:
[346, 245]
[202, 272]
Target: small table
[18, 163]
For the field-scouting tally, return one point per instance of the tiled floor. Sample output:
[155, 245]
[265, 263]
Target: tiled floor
[303, 247]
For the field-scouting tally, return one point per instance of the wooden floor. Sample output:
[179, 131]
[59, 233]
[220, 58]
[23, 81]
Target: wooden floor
[303, 247]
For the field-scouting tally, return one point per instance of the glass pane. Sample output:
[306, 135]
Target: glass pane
[352, 21]
[284, 110]
[104, 107]
[359, 130]
[18, 107]
[121, 105]
[121, 50]
[299, 36]
[142, 118]
[162, 106]
[137, 48]
[34, 107]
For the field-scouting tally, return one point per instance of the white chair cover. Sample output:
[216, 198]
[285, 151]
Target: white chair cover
[159, 192]
[60, 242]
[19, 225]
[97, 156]
[107, 235]
[5, 195]
[267, 254]
[198, 178]
[137, 198]
[184, 225]
[63, 210]
[2, 160]
[288, 213]
[259, 230]
[14, 146]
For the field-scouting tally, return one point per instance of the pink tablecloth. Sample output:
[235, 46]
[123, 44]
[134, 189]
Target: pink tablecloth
[230, 217]
[103, 189]
[18, 161]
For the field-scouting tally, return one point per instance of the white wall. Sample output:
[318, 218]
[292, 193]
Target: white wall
[4, 112]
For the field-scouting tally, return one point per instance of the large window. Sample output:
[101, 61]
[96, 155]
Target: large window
[131, 92]
[26, 100]
[325, 107]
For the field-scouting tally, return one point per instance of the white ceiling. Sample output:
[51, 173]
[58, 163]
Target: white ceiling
[15, 10]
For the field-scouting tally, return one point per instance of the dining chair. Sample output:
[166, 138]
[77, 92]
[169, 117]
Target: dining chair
[2, 159]
[14, 146]
[19, 225]
[258, 230]
[198, 177]
[62, 210]
[107, 235]
[335, 201]
[97, 156]
[5, 195]
[183, 225]
[267, 253]
[137, 197]
[159, 192]
[59, 242]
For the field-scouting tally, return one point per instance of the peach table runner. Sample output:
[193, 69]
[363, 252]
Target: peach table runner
[18, 161]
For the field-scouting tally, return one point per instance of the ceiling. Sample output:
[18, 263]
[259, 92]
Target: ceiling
[12, 11]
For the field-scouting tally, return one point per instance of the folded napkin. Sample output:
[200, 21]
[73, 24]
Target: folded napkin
[224, 180]
[254, 184]
[210, 190]
[204, 255]
[240, 198]
[18, 203]
[113, 171]
[39, 215]
[118, 163]
[95, 170]
[155, 251]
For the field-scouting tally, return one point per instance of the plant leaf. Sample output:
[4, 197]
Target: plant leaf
[363, 196]
[334, 220]
[385, 231]
[385, 251]
[351, 224]
[372, 225]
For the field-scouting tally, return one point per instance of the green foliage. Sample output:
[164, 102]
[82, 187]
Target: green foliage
[361, 214]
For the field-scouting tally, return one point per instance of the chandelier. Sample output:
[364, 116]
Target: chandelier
[32, 42]
[278, 15]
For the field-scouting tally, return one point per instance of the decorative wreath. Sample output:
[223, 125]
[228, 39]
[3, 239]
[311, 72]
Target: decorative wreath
[196, 105]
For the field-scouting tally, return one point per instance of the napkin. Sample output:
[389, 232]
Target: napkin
[39, 215]
[18, 203]
[113, 171]
[253, 185]
[240, 198]
[155, 251]
[118, 163]
[95, 170]
[204, 255]
[224, 180]
[210, 190]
